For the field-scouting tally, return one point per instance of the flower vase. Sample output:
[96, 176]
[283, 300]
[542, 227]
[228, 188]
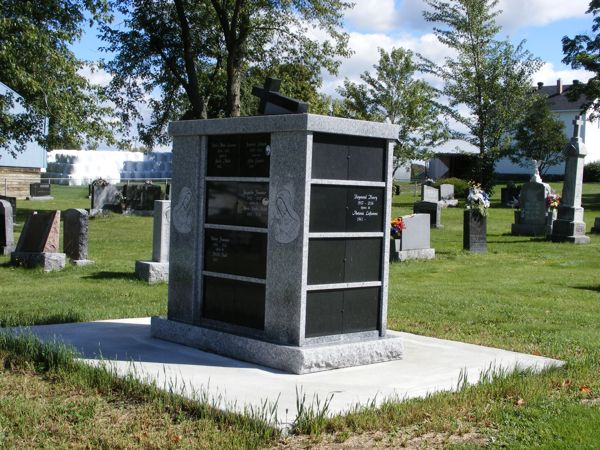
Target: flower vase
[550, 218]
[395, 248]
[474, 231]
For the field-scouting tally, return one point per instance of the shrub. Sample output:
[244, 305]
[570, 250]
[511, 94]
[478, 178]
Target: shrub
[591, 172]
[461, 187]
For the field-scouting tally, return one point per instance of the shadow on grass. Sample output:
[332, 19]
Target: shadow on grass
[106, 275]
[593, 288]
[519, 241]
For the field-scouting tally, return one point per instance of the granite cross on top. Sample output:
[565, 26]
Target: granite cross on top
[577, 125]
[272, 102]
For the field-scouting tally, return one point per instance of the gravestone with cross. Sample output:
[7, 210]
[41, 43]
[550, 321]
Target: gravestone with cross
[569, 225]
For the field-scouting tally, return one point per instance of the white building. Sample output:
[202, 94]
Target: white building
[566, 111]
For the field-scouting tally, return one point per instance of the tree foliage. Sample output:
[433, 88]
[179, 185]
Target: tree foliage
[394, 94]
[193, 59]
[488, 81]
[583, 52]
[43, 76]
[540, 137]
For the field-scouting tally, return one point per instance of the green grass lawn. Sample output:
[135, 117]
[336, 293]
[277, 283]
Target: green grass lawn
[524, 294]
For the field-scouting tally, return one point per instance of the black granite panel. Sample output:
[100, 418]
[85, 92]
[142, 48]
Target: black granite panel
[326, 261]
[237, 203]
[365, 209]
[223, 156]
[329, 157]
[367, 163]
[328, 208]
[254, 157]
[235, 253]
[234, 302]
[221, 201]
[363, 260]
[361, 310]
[324, 313]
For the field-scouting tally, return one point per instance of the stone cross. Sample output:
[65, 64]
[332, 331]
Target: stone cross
[577, 126]
[272, 102]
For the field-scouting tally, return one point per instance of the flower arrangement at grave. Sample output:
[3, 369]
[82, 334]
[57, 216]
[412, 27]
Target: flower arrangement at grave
[397, 226]
[477, 199]
[553, 201]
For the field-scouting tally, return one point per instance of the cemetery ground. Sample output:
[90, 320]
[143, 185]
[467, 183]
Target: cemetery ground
[524, 294]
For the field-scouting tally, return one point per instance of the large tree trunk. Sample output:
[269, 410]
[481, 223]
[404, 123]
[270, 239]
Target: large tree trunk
[234, 83]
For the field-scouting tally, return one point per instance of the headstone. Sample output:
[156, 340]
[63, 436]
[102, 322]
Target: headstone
[569, 225]
[75, 236]
[429, 194]
[38, 244]
[13, 205]
[474, 231]
[39, 189]
[141, 197]
[596, 227]
[434, 209]
[157, 270]
[106, 197]
[277, 232]
[509, 195]
[532, 217]
[415, 241]
[7, 243]
[447, 195]
[396, 189]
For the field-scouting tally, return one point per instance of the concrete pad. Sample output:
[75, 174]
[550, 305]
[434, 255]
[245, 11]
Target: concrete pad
[429, 365]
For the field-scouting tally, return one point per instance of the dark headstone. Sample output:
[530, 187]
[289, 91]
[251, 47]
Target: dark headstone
[106, 197]
[509, 195]
[7, 242]
[39, 189]
[141, 197]
[13, 204]
[474, 232]
[272, 102]
[396, 189]
[75, 239]
[41, 233]
[532, 217]
[434, 209]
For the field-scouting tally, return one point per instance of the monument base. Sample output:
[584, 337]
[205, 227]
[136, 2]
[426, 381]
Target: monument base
[528, 229]
[568, 231]
[405, 255]
[298, 360]
[48, 261]
[152, 271]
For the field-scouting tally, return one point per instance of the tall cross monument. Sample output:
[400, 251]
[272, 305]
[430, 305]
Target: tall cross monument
[569, 225]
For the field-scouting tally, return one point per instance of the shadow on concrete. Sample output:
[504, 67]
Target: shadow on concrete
[106, 275]
[131, 342]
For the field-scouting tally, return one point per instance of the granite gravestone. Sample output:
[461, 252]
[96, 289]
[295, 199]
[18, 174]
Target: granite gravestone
[38, 244]
[277, 251]
[141, 197]
[430, 204]
[106, 197]
[6, 228]
[532, 218]
[429, 193]
[75, 236]
[13, 205]
[415, 241]
[569, 225]
[447, 195]
[509, 195]
[474, 231]
[39, 189]
[157, 270]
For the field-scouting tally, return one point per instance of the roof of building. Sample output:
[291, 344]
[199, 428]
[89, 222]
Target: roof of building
[455, 147]
[557, 96]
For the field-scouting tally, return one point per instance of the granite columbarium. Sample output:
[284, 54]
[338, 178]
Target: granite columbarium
[279, 241]
[569, 225]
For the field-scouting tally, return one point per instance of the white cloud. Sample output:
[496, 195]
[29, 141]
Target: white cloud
[95, 75]
[373, 15]
[549, 75]
[515, 13]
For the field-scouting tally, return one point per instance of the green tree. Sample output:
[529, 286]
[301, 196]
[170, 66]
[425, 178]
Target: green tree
[583, 52]
[540, 137]
[487, 82]
[189, 59]
[394, 94]
[38, 66]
